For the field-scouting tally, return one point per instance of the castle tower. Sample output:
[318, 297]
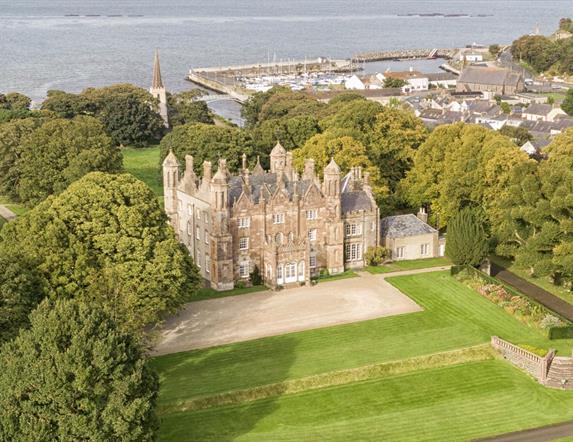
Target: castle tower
[158, 90]
[221, 244]
[335, 236]
[170, 183]
[278, 158]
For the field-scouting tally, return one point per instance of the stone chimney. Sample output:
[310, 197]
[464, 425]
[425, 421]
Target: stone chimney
[423, 215]
[308, 173]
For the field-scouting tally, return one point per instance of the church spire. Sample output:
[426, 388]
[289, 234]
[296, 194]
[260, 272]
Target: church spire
[157, 82]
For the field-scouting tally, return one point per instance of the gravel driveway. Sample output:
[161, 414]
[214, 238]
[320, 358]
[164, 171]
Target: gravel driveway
[220, 321]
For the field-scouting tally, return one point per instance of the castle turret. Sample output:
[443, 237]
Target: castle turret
[158, 89]
[278, 158]
[331, 183]
[222, 277]
[170, 183]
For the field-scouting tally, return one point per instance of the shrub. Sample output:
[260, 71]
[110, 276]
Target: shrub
[375, 256]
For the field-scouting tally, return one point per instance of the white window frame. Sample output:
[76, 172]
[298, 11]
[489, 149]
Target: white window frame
[198, 260]
[244, 243]
[190, 210]
[312, 214]
[353, 252]
[312, 234]
[353, 229]
[197, 233]
[424, 249]
[278, 218]
[207, 264]
[206, 234]
[400, 252]
[244, 222]
[244, 269]
[198, 214]
[312, 261]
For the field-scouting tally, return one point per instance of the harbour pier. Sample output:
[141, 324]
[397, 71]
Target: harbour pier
[230, 80]
[405, 54]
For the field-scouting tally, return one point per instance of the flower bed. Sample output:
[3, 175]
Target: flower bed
[519, 307]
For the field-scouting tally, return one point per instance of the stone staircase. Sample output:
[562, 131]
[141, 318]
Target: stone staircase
[560, 373]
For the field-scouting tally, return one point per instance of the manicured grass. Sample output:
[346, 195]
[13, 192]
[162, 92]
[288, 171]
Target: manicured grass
[143, 163]
[453, 403]
[17, 208]
[209, 293]
[454, 316]
[398, 266]
[344, 275]
[544, 283]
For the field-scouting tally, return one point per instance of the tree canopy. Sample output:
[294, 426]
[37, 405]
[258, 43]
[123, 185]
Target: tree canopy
[187, 107]
[208, 143]
[75, 375]
[460, 164]
[106, 240]
[128, 113]
[42, 159]
[567, 104]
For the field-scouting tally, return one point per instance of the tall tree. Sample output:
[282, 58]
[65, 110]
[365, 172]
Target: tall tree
[207, 142]
[187, 107]
[467, 242]
[20, 292]
[74, 375]
[460, 165]
[58, 153]
[567, 104]
[106, 240]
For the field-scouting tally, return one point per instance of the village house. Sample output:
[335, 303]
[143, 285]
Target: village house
[542, 112]
[496, 81]
[416, 81]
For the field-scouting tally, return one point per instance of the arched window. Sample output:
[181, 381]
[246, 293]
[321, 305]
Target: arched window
[279, 238]
[290, 237]
[301, 271]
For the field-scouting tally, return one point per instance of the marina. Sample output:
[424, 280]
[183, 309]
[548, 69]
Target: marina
[318, 75]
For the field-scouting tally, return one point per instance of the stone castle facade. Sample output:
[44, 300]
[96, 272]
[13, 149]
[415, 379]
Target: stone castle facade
[288, 227]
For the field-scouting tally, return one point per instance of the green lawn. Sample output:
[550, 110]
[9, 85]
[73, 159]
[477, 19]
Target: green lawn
[209, 293]
[454, 403]
[454, 316]
[544, 283]
[398, 266]
[143, 163]
[17, 208]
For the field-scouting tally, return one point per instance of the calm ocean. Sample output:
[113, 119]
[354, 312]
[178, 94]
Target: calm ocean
[73, 44]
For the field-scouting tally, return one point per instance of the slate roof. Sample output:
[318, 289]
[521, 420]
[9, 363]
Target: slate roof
[538, 109]
[401, 226]
[441, 76]
[355, 200]
[351, 200]
[489, 76]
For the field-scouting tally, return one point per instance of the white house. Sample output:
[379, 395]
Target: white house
[471, 57]
[354, 83]
[542, 112]
[416, 81]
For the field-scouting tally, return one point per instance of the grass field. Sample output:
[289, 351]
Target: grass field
[453, 403]
[454, 316]
[398, 266]
[143, 163]
[209, 293]
[18, 209]
[544, 283]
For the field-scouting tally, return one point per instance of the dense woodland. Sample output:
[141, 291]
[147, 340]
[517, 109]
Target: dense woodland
[547, 54]
[95, 255]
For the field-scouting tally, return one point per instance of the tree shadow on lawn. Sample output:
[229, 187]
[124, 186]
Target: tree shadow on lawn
[205, 373]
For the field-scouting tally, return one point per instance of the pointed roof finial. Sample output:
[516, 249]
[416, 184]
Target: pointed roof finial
[332, 167]
[157, 82]
[170, 159]
[278, 149]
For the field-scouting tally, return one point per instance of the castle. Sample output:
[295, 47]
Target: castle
[286, 227]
